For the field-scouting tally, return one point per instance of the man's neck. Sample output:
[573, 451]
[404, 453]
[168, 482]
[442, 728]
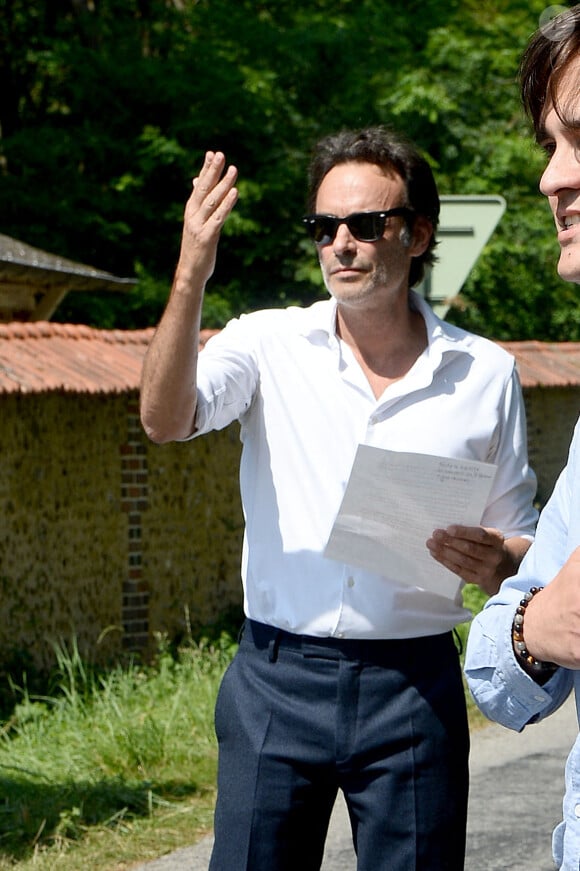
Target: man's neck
[386, 344]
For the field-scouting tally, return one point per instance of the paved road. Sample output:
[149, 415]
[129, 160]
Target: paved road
[517, 783]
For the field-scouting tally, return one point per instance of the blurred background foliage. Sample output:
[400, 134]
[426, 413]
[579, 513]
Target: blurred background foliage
[107, 108]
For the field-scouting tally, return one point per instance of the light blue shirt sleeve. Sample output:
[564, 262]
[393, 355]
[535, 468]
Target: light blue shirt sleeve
[501, 688]
[503, 691]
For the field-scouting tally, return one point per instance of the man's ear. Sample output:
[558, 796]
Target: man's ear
[421, 236]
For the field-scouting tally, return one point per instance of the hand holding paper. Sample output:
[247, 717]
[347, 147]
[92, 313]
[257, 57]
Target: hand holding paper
[393, 502]
[474, 553]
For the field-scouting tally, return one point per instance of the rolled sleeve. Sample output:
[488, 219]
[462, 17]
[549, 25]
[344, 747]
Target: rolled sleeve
[501, 688]
[227, 377]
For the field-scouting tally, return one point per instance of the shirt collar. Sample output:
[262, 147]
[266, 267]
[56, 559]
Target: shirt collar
[441, 336]
[320, 317]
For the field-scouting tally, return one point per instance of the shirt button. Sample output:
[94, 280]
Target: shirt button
[350, 582]
[340, 635]
[577, 811]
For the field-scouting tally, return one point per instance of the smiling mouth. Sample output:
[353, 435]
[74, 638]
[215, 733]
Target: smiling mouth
[569, 221]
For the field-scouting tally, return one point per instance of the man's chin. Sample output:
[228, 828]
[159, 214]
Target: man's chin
[345, 291]
[569, 267]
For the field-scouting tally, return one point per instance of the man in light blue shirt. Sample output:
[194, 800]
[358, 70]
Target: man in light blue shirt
[523, 654]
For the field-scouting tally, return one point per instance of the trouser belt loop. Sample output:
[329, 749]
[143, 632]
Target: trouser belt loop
[273, 646]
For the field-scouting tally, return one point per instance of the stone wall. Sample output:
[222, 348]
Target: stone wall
[105, 537]
[192, 531]
[551, 414]
[110, 539]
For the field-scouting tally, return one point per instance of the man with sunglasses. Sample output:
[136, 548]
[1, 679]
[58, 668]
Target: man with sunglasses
[523, 655]
[344, 679]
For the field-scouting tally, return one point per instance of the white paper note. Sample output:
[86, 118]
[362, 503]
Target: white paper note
[393, 502]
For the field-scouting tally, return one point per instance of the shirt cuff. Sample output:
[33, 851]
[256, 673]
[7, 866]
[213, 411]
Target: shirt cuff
[525, 696]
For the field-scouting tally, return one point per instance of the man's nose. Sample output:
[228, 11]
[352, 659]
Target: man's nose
[344, 240]
[562, 172]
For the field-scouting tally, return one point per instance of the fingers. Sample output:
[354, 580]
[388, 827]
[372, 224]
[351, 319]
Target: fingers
[214, 193]
[469, 542]
[213, 197]
[486, 536]
[474, 553]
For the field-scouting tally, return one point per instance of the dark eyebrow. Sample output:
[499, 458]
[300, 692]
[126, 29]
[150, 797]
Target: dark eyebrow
[542, 134]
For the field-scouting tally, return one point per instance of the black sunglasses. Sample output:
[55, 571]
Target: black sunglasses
[364, 226]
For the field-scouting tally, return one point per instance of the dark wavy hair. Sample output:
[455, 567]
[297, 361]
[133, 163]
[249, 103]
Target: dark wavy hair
[545, 61]
[386, 148]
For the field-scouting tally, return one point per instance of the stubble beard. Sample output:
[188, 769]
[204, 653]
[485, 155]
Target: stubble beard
[352, 293]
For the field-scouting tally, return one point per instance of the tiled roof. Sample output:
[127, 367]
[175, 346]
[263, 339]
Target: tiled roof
[47, 357]
[38, 357]
[546, 364]
[43, 356]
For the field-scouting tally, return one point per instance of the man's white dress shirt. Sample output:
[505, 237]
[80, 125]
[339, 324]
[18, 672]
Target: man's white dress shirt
[304, 405]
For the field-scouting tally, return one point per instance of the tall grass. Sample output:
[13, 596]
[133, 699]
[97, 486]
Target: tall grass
[113, 754]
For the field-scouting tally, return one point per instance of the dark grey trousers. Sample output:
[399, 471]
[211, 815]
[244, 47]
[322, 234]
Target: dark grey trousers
[298, 718]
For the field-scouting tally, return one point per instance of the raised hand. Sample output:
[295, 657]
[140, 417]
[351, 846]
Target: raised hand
[168, 382]
[212, 199]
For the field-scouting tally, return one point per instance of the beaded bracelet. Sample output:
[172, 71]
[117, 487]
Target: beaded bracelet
[540, 671]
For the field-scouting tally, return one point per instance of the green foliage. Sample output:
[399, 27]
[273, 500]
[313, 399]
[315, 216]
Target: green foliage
[109, 107]
[102, 750]
[474, 598]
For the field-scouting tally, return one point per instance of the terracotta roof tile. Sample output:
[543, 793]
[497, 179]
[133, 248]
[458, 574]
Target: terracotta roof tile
[546, 364]
[38, 357]
[43, 357]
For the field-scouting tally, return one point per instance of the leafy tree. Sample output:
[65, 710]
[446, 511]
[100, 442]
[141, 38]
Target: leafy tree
[107, 106]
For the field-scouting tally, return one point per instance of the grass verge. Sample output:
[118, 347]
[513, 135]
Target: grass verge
[113, 768]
